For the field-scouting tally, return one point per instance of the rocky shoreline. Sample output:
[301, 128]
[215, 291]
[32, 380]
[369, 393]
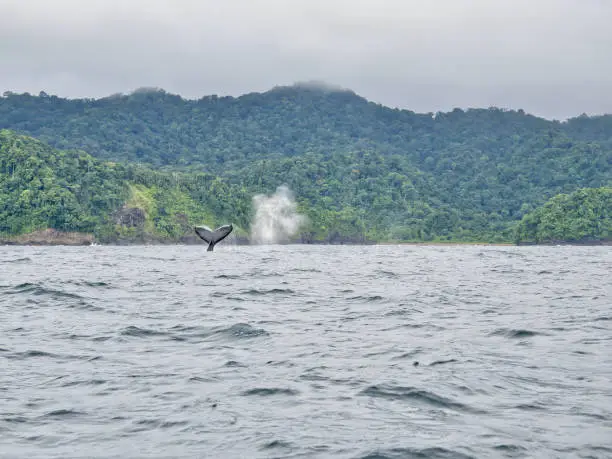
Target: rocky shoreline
[49, 237]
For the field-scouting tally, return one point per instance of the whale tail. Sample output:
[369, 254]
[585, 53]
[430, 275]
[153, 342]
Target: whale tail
[213, 237]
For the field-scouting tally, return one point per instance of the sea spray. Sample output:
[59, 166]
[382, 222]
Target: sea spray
[276, 217]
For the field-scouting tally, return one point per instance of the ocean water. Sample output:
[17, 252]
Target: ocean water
[306, 351]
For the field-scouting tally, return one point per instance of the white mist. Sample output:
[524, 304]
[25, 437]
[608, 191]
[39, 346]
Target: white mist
[276, 218]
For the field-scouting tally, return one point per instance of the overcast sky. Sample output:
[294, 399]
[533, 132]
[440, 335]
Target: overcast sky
[552, 58]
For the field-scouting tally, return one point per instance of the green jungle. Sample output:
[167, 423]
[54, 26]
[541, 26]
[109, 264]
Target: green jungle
[148, 166]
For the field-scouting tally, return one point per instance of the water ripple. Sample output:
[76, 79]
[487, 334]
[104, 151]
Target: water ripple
[305, 351]
[409, 453]
[416, 395]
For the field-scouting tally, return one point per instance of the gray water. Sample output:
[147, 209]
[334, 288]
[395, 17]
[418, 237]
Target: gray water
[305, 351]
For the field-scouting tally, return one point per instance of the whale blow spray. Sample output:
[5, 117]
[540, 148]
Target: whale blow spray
[276, 218]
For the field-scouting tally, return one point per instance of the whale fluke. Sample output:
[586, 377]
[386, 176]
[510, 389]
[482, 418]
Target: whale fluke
[213, 237]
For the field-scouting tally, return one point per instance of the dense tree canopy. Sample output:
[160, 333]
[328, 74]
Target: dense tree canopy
[359, 170]
[582, 216]
[41, 187]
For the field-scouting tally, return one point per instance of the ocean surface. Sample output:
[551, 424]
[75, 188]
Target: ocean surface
[306, 351]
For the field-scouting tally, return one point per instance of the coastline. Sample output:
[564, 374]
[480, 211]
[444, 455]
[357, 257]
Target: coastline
[52, 237]
[49, 237]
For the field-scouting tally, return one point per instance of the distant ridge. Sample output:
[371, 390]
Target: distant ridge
[316, 86]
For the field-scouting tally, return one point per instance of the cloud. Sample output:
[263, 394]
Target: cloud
[549, 57]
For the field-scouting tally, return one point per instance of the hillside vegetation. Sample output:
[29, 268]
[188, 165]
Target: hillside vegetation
[360, 171]
[582, 216]
[70, 191]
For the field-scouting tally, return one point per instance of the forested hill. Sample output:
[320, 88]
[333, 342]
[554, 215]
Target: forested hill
[584, 216]
[390, 174]
[70, 191]
[153, 126]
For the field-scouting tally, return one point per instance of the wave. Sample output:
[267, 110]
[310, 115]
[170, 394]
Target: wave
[408, 355]
[15, 419]
[63, 414]
[410, 453]
[267, 391]
[261, 273]
[511, 450]
[85, 306]
[84, 283]
[388, 274]
[196, 333]
[442, 362]
[201, 379]
[414, 394]
[36, 289]
[85, 382]
[157, 424]
[241, 330]
[251, 292]
[268, 259]
[101, 338]
[531, 407]
[38, 354]
[17, 260]
[367, 299]
[233, 364]
[403, 310]
[228, 276]
[30, 354]
[516, 333]
[141, 332]
[277, 444]
[273, 291]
